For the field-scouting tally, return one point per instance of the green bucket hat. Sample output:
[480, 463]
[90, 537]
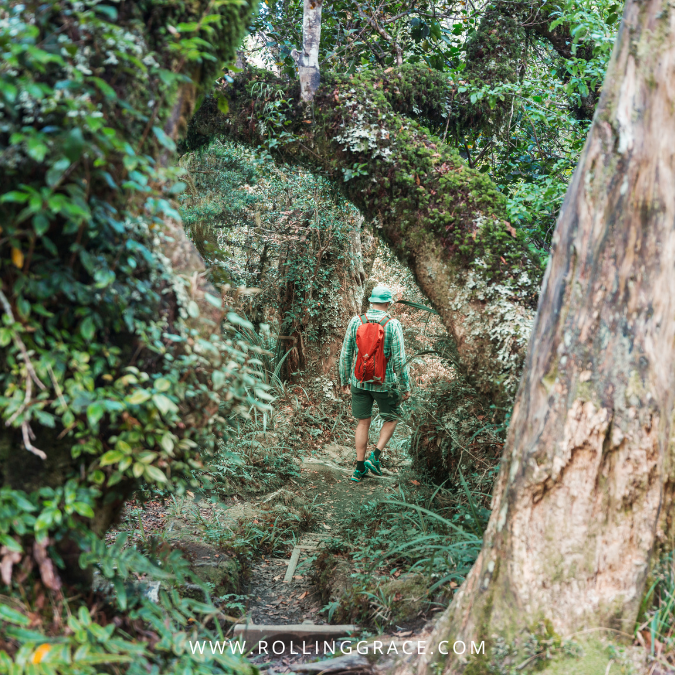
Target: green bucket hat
[381, 295]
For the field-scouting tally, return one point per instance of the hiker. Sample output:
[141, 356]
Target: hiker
[372, 368]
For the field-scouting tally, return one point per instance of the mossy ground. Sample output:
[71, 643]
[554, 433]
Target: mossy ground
[599, 657]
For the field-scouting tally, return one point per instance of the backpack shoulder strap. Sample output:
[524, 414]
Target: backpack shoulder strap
[388, 319]
[364, 318]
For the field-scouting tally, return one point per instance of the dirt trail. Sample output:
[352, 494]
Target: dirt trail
[334, 497]
[322, 485]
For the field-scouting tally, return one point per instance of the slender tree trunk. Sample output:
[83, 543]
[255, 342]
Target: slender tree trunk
[588, 462]
[308, 58]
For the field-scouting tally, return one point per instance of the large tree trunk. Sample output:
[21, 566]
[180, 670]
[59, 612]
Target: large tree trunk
[588, 462]
[444, 219]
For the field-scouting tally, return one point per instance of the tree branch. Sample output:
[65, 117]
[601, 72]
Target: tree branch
[384, 34]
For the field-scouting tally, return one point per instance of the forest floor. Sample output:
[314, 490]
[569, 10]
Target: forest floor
[383, 556]
[239, 533]
[240, 530]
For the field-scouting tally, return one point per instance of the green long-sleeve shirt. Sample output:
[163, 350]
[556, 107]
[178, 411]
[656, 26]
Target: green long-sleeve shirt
[396, 375]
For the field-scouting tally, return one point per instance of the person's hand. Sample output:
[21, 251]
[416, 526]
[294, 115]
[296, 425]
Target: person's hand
[405, 396]
[345, 389]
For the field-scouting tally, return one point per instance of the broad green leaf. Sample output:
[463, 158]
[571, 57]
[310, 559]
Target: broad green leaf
[23, 503]
[138, 397]
[103, 278]
[213, 300]
[73, 145]
[153, 473]
[13, 616]
[8, 90]
[162, 384]
[36, 149]
[98, 477]
[88, 328]
[23, 307]
[167, 442]
[45, 519]
[111, 457]
[14, 196]
[193, 309]
[10, 543]
[40, 224]
[94, 413]
[164, 404]
[84, 616]
[56, 172]
[123, 447]
[109, 12]
[84, 509]
[120, 592]
[164, 140]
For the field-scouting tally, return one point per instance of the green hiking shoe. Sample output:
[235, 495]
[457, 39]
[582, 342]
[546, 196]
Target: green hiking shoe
[358, 475]
[374, 464]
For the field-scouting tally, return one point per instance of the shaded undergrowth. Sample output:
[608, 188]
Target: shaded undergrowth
[405, 555]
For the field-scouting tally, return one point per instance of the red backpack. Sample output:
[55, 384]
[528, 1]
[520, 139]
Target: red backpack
[371, 365]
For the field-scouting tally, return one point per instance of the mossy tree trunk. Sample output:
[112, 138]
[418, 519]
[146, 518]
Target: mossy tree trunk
[105, 253]
[447, 222]
[442, 218]
[586, 480]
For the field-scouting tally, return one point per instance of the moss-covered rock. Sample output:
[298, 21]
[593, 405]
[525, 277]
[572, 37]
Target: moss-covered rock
[222, 575]
[408, 595]
[216, 567]
[332, 576]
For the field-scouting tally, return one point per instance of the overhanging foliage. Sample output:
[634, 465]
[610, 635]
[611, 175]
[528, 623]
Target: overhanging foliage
[114, 366]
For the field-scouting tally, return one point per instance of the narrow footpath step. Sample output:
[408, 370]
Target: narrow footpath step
[302, 632]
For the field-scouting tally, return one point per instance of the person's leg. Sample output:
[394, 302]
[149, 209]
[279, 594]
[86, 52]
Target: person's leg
[386, 433]
[362, 409]
[362, 429]
[389, 404]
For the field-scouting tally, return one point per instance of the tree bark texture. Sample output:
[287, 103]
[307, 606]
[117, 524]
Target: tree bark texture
[308, 59]
[442, 218]
[579, 502]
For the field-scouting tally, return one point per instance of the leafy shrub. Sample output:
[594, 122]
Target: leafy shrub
[118, 361]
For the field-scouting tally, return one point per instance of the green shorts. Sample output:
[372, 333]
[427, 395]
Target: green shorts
[388, 402]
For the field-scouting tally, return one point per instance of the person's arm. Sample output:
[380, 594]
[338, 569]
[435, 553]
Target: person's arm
[347, 354]
[398, 357]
